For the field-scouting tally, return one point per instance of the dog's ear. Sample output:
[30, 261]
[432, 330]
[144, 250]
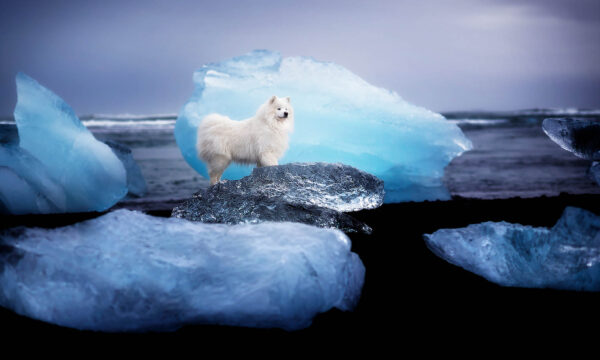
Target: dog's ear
[272, 99]
[288, 100]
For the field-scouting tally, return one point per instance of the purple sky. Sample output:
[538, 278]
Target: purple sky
[139, 56]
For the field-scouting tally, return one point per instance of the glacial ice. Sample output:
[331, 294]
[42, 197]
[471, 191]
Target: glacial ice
[71, 171]
[26, 186]
[339, 117]
[311, 193]
[136, 185]
[567, 256]
[127, 271]
[579, 136]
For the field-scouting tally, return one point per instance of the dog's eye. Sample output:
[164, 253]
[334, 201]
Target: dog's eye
[278, 108]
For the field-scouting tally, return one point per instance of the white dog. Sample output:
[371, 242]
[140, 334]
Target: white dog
[261, 139]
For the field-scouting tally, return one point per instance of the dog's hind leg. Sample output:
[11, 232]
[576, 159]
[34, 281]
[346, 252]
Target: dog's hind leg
[216, 167]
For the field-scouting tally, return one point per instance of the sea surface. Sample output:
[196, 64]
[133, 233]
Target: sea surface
[511, 156]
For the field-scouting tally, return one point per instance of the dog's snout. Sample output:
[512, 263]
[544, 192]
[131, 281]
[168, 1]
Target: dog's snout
[285, 114]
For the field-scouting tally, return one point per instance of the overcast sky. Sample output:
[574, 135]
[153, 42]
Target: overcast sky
[138, 56]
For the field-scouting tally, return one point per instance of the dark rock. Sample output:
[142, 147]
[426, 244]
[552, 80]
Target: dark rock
[310, 193]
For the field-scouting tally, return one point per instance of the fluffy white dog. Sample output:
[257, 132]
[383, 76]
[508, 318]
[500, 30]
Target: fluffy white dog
[261, 139]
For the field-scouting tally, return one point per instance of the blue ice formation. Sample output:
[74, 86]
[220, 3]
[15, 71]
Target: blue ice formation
[136, 185]
[127, 271]
[339, 117]
[85, 174]
[566, 257]
[26, 186]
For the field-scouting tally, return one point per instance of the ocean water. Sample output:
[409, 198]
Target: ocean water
[512, 157]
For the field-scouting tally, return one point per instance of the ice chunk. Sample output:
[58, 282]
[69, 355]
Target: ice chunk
[136, 185]
[90, 176]
[579, 136]
[312, 193]
[594, 171]
[127, 271]
[339, 117]
[564, 257]
[26, 186]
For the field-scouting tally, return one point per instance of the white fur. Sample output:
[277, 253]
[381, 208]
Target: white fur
[261, 139]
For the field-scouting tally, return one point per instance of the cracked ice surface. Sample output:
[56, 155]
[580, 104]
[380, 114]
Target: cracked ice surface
[567, 256]
[339, 117]
[127, 271]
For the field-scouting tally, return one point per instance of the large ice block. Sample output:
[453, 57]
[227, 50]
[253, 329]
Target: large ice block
[127, 271]
[565, 257]
[91, 176]
[339, 117]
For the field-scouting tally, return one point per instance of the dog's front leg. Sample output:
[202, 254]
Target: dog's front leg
[267, 160]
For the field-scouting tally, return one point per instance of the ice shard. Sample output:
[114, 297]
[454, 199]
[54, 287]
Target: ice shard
[127, 271]
[311, 193]
[339, 117]
[136, 185]
[594, 171]
[579, 136]
[89, 174]
[567, 256]
[26, 185]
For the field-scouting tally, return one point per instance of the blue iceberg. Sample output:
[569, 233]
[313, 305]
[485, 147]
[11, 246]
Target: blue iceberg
[339, 117]
[566, 257]
[87, 172]
[127, 271]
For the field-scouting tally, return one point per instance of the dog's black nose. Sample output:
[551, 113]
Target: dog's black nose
[285, 114]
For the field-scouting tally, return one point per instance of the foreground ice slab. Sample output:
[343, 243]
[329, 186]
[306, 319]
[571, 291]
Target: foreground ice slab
[311, 193]
[581, 137]
[339, 117]
[90, 175]
[565, 257]
[127, 271]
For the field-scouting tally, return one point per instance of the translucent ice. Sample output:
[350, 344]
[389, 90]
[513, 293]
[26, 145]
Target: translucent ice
[136, 185]
[90, 175]
[338, 118]
[579, 136]
[127, 271]
[311, 193]
[564, 257]
[26, 186]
